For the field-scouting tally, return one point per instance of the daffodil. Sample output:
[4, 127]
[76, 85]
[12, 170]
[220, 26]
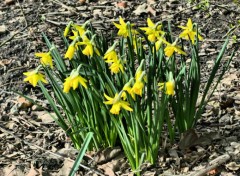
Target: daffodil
[138, 87]
[169, 86]
[34, 76]
[70, 52]
[89, 46]
[171, 48]
[116, 67]
[127, 88]
[189, 33]
[111, 54]
[140, 78]
[160, 41]
[46, 59]
[153, 30]
[74, 80]
[67, 29]
[117, 103]
[77, 30]
[123, 28]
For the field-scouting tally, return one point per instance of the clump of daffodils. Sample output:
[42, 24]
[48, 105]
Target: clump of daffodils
[125, 88]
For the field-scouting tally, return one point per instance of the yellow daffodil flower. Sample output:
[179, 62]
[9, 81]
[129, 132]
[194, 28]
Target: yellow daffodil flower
[159, 42]
[70, 52]
[153, 30]
[169, 86]
[46, 59]
[117, 103]
[140, 78]
[116, 66]
[171, 48]
[138, 87]
[90, 46]
[77, 30]
[127, 88]
[189, 33]
[80, 29]
[73, 81]
[75, 35]
[111, 54]
[123, 28]
[34, 76]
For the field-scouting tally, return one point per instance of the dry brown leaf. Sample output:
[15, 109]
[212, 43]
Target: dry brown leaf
[113, 166]
[4, 62]
[229, 78]
[189, 138]
[151, 10]
[11, 170]
[46, 118]
[107, 154]
[67, 166]
[34, 172]
[141, 9]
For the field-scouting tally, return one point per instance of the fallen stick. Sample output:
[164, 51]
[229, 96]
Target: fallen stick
[212, 165]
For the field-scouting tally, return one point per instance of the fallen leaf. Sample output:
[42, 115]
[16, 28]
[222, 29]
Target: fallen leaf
[12, 170]
[32, 171]
[46, 118]
[107, 154]
[67, 166]
[151, 10]
[227, 81]
[188, 139]
[141, 9]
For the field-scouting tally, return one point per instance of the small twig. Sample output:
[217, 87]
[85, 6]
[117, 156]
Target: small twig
[47, 151]
[212, 165]
[187, 8]
[58, 13]
[10, 38]
[17, 82]
[225, 7]
[72, 9]
[22, 13]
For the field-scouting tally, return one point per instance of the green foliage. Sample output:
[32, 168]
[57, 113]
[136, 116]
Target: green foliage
[126, 88]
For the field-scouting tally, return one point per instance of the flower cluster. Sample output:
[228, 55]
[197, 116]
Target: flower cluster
[79, 37]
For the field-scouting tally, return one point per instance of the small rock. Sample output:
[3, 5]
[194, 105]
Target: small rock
[3, 29]
[122, 4]
[36, 108]
[82, 2]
